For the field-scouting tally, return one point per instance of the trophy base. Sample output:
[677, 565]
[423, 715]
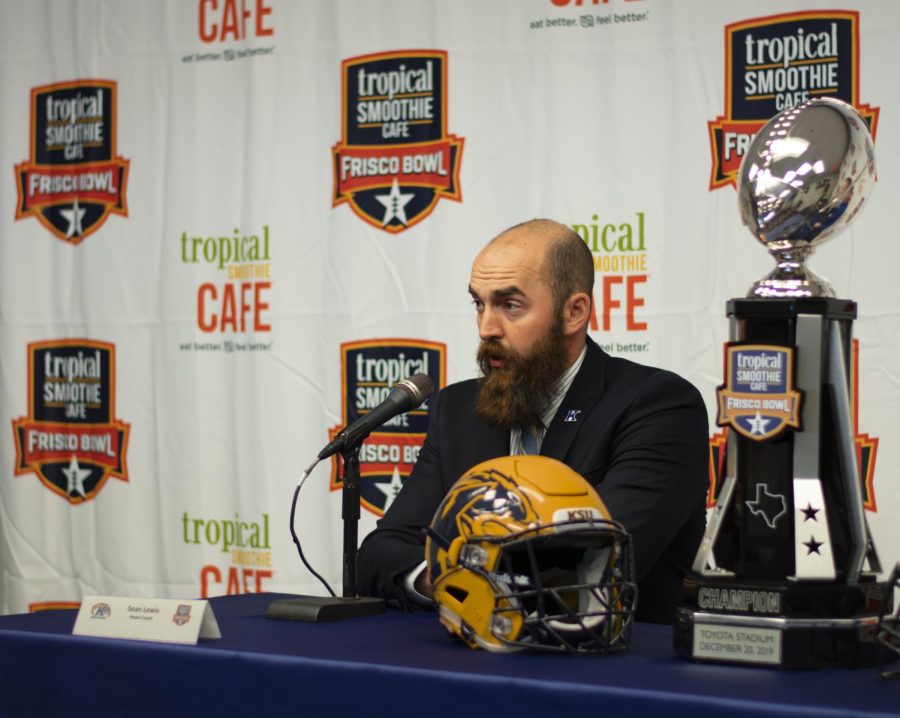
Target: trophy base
[784, 625]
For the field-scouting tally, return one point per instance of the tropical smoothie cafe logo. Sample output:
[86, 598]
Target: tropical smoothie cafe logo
[395, 159]
[781, 412]
[70, 438]
[73, 179]
[619, 248]
[369, 369]
[758, 399]
[242, 549]
[776, 62]
[232, 300]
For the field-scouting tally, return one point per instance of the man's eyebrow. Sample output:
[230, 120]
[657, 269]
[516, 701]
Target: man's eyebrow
[502, 293]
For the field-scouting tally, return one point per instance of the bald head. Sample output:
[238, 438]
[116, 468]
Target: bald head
[565, 262]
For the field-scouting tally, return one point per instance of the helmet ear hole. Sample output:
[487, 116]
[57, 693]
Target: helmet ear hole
[460, 594]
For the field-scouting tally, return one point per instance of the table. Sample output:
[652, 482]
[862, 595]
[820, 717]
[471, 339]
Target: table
[394, 664]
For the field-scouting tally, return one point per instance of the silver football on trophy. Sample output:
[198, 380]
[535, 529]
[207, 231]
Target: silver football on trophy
[805, 176]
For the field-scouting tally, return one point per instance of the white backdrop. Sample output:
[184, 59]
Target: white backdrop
[198, 292]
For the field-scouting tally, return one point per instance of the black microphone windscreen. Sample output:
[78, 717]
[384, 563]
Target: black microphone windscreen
[418, 386]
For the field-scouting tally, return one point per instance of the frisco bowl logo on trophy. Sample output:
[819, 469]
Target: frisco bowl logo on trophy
[866, 444]
[776, 62]
[369, 369]
[786, 573]
[758, 399]
[73, 179]
[395, 159]
[70, 437]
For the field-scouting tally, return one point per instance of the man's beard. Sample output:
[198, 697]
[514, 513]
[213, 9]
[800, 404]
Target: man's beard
[517, 393]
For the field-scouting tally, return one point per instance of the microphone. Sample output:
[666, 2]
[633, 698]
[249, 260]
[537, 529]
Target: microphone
[404, 396]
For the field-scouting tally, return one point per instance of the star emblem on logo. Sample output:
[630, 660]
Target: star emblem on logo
[770, 507]
[395, 204]
[73, 217]
[392, 488]
[75, 476]
[758, 424]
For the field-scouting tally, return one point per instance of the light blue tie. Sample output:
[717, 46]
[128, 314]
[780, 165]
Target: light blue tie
[529, 442]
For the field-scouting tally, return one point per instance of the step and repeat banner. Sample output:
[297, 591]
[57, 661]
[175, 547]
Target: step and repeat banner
[227, 227]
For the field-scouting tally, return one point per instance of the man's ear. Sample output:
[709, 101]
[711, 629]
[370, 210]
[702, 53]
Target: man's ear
[576, 313]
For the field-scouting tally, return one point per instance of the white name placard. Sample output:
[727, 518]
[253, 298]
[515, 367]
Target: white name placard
[147, 619]
[737, 643]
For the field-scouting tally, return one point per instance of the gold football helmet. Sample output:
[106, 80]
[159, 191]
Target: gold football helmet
[522, 554]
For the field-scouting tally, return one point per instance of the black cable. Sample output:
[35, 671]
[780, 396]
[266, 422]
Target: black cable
[294, 533]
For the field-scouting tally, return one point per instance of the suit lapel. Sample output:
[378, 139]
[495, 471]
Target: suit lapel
[586, 390]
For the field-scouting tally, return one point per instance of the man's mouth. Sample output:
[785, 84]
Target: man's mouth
[494, 356]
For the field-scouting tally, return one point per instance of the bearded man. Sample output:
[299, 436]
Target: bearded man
[637, 433]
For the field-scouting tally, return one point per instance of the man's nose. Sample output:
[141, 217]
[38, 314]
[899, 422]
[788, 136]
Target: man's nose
[488, 325]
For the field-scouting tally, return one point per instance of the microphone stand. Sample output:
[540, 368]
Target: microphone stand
[330, 608]
[350, 516]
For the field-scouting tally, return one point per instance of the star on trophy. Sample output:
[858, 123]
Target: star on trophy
[786, 572]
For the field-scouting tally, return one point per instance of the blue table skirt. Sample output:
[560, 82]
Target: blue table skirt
[395, 664]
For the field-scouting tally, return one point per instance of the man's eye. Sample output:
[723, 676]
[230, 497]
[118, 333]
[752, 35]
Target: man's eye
[478, 304]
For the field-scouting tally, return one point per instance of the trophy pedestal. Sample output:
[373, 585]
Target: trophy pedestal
[785, 574]
[813, 625]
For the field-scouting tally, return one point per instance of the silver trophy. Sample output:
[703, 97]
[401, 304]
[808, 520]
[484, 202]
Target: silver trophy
[805, 176]
[786, 574]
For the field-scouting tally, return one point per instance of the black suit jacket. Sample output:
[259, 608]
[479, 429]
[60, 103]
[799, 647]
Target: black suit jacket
[640, 437]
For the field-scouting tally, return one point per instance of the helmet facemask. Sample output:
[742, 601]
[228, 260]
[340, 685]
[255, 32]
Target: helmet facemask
[566, 584]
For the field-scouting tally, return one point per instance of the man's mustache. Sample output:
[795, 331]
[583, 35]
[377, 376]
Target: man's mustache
[489, 349]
